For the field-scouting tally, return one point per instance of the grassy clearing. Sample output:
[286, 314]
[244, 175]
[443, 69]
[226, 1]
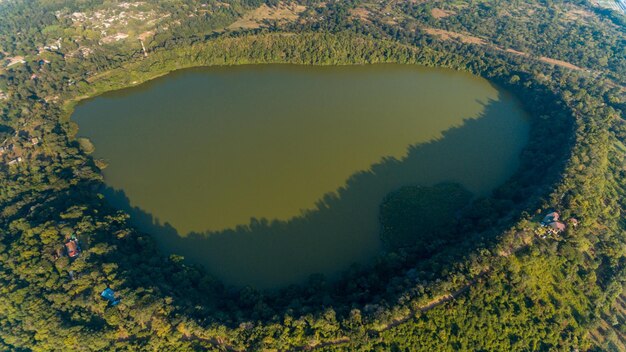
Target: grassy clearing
[258, 17]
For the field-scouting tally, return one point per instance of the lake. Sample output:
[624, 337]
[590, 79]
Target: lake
[266, 174]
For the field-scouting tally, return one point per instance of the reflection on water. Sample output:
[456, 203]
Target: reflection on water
[268, 141]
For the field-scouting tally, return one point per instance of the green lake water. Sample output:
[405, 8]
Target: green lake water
[266, 174]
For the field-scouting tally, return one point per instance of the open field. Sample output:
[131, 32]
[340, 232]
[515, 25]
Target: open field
[256, 18]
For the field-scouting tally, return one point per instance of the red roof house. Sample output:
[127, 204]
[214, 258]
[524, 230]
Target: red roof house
[72, 248]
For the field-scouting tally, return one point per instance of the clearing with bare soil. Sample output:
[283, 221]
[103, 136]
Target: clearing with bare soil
[439, 13]
[447, 35]
[256, 18]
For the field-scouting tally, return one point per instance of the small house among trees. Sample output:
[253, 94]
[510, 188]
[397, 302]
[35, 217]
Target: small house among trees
[109, 295]
[72, 248]
[552, 223]
[556, 226]
[551, 217]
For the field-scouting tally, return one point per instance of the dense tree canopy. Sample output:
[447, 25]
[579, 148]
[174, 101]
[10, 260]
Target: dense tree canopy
[493, 281]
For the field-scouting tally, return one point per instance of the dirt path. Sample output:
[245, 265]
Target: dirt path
[433, 303]
[469, 39]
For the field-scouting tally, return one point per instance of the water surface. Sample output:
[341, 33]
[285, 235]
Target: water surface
[307, 153]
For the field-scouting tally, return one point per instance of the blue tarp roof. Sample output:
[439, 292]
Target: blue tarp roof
[108, 294]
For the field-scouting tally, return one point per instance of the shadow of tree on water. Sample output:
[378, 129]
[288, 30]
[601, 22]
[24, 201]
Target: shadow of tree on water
[343, 228]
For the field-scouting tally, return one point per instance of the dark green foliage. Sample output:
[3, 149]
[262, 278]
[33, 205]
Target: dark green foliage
[5, 132]
[511, 289]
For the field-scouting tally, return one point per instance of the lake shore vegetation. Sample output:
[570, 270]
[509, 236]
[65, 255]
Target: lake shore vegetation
[495, 282]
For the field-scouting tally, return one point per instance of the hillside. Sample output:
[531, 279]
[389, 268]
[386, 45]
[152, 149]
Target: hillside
[496, 281]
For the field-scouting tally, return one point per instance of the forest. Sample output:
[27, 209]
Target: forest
[491, 281]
